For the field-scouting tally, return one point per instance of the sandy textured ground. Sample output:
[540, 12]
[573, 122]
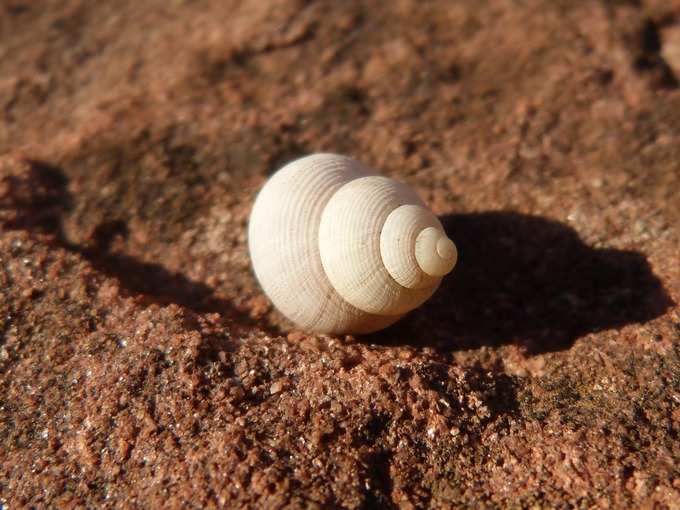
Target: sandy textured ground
[140, 365]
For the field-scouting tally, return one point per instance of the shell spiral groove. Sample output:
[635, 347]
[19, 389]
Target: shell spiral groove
[340, 249]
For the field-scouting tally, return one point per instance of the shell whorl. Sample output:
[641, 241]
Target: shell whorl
[339, 249]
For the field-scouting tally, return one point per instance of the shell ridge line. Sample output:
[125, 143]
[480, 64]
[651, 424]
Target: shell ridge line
[331, 291]
[367, 239]
[382, 257]
[401, 262]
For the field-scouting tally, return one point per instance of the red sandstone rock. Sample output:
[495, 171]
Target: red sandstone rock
[140, 366]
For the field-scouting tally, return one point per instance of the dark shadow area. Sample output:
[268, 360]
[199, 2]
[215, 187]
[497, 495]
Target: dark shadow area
[649, 59]
[36, 197]
[531, 281]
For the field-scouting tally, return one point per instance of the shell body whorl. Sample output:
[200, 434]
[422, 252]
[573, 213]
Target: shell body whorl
[339, 249]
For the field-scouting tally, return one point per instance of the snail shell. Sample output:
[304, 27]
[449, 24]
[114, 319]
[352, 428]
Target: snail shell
[340, 249]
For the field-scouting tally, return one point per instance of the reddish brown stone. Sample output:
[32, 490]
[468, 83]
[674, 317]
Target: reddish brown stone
[140, 366]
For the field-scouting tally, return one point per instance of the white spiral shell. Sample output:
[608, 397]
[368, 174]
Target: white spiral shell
[340, 249]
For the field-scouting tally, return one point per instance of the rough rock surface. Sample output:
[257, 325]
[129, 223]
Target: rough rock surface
[141, 367]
